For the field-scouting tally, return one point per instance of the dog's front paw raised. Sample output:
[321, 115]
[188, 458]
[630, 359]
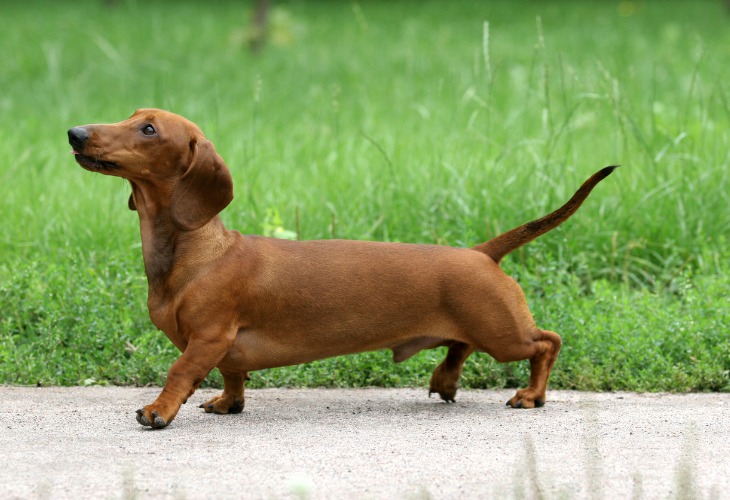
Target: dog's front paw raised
[154, 416]
[525, 398]
[224, 404]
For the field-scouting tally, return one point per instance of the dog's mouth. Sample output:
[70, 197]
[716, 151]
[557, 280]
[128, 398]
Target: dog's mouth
[93, 163]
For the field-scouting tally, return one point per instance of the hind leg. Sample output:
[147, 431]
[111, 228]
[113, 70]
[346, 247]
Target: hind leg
[445, 377]
[542, 354]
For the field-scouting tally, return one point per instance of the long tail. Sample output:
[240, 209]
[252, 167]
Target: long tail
[505, 243]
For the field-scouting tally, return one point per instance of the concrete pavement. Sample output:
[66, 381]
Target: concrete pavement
[83, 442]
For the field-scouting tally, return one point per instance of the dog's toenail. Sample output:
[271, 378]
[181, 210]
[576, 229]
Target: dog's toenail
[142, 420]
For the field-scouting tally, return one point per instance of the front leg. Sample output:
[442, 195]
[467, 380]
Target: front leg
[232, 400]
[200, 357]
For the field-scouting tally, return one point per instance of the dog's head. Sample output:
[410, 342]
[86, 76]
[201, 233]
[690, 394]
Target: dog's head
[164, 151]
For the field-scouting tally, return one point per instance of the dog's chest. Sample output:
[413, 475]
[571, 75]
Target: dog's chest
[162, 314]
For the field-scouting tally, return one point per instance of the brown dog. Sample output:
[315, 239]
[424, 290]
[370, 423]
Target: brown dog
[244, 303]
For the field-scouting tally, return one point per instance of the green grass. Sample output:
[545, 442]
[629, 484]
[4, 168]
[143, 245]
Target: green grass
[392, 121]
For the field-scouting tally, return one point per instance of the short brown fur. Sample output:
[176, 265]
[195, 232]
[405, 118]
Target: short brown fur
[245, 303]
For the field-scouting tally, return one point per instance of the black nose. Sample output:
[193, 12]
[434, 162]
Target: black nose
[77, 136]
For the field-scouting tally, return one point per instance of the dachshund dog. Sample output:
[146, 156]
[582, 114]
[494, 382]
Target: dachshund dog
[244, 303]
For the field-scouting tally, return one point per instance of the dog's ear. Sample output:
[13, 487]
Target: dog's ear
[130, 203]
[204, 189]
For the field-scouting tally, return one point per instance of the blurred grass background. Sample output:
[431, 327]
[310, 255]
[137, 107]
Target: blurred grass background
[431, 121]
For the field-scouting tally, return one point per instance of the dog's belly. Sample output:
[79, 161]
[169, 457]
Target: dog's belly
[258, 349]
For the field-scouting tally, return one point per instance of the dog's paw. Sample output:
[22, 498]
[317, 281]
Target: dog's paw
[524, 399]
[223, 404]
[447, 396]
[150, 418]
[445, 384]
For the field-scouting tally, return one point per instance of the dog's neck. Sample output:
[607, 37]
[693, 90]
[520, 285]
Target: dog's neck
[173, 257]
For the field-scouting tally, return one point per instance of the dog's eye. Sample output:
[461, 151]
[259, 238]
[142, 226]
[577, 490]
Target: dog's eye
[148, 130]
